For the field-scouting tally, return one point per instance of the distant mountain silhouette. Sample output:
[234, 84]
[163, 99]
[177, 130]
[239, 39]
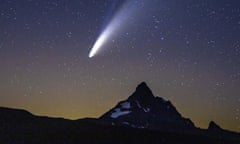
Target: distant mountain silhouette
[140, 119]
[213, 126]
[143, 110]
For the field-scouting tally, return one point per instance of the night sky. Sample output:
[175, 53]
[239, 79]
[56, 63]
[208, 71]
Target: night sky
[188, 52]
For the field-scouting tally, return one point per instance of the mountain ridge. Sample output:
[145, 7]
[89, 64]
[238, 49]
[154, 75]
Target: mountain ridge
[144, 110]
[141, 118]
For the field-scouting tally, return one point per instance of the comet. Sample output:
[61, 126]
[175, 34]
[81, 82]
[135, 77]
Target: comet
[101, 40]
[119, 21]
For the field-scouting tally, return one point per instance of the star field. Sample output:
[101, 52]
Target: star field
[187, 51]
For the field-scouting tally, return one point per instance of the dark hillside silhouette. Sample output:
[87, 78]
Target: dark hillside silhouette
[141, 119]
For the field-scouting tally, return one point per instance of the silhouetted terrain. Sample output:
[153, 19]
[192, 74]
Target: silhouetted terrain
[141, 119]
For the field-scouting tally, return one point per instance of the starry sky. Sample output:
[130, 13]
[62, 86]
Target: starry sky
[187, 51]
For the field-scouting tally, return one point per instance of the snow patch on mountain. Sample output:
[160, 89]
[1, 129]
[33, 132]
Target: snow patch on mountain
[126, 123]
[126, 105]
[117, 112]
[138, 104]
[146, 109]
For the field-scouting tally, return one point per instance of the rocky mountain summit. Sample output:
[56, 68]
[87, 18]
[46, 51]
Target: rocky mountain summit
[144, 110]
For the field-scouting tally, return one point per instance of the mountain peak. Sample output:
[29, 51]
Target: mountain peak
[213, 126]
[143, 87]
[142, 84]
[142, 92]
